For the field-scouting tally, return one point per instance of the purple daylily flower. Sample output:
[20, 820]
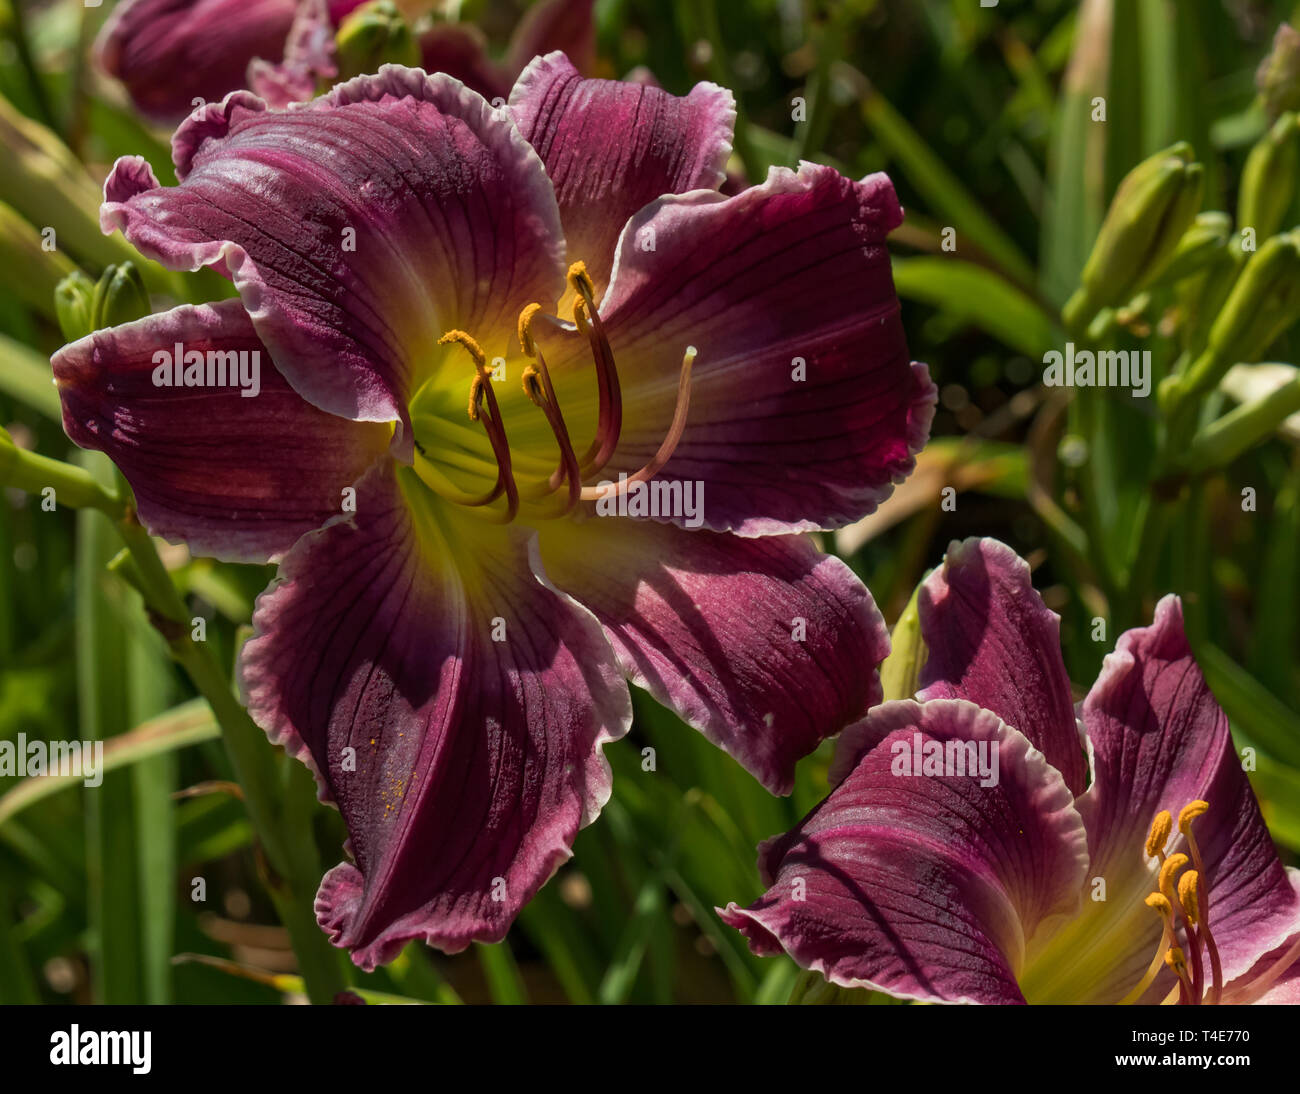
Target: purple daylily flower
[449, 652]
[170, 52]
[1030, 886]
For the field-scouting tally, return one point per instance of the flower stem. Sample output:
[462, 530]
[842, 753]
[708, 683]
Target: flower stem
[283, 831]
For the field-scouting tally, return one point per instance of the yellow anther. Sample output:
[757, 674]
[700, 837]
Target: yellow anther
[1158, 904]
[1189, 813]
[475, 397]
[531, 380]
[1160, 829]
[1175, 960]
[526, 342]
[472, 347]
[580, 281]
[1168, 872]
[1187, 895]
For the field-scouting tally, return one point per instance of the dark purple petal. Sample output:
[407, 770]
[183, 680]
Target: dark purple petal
[170, 52]
[1160, 741]
[234, 476]
[765, 645]
[992, 640]
[357, 228]
[474, 700]
[611, 148]
[789, 279]
[564, 25]
[924, 886]
[460, 50]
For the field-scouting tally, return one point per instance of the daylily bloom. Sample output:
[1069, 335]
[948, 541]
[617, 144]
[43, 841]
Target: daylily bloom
[449, 652]
[170, 52]
[1156, 881]
[460, 49]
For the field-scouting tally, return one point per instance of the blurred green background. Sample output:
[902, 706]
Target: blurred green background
[983, 118]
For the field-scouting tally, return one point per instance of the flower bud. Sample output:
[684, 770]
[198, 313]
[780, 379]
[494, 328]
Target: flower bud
[1263, 303]
[1278, 77]
[900, 672]
[72, 305]
[373, 35]
[1154, 205]
[120, 297]
[1268, 180]
[1198, 247]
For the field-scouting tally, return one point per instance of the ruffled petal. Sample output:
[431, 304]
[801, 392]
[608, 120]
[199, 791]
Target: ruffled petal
[235, 476]
[766, 646]
[804, 406]
[992, 640]
[1160, 741]
[452, 705]
[357, 228]
[927, 886]
[612, 147]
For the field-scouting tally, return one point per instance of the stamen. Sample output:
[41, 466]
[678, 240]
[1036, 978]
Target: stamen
[1160, 906]
[543, 395]
[1174, 959]
[1168, 873]
[481, 389]
[1187, 895]
[1160, 829]
[666, 449]
[1186, 816]
[610, 418]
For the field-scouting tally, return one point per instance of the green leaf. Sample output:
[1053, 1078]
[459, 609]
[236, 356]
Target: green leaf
[184, 725]
[980, 297]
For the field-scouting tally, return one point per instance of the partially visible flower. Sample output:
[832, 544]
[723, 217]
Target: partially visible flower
[1155, 882]
[460, 49]
[170, 52]
[457, 610]
[1278, 77]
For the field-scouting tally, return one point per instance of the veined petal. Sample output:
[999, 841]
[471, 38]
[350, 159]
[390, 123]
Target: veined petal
[1275, 977]
[804, 406]
[1161, 741]
[235, 477]
[992, 640]
[766, 646]
[357, 228]
[927, 886]
[612, 147]
[453, 706]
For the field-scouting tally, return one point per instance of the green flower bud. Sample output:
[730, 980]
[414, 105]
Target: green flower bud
[1268, 180]
[373, 35]
[900, 672]
[72, 305]
[1263, 303]
[1278, 77]
[1154, 205]
[119, 297]
[1199, 246]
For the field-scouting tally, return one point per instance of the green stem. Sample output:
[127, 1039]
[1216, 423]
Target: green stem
[285, 837]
